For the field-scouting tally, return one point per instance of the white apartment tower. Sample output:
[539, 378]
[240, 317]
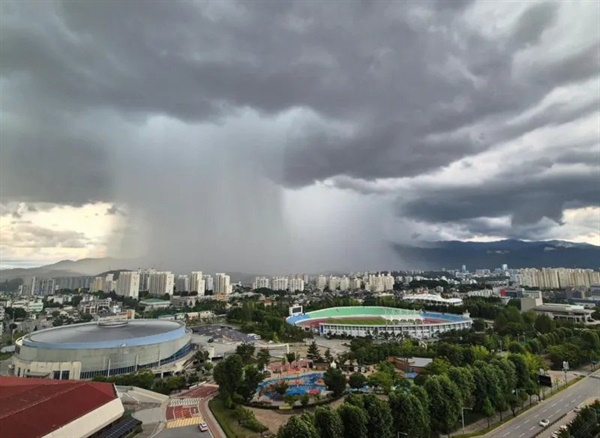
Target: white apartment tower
[344, 283]
[279, 283]
[222, 284]
[128, 284]
[388, 282]
[321, 282]
[334, 283]
[296, 284]
[161, 283]
[197, 283]
[261, 282]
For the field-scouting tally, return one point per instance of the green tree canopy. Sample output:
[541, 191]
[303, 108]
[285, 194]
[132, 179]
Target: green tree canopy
[328, 423]
[228, 374]
[355, 421]
[335, 381]
[298, 426]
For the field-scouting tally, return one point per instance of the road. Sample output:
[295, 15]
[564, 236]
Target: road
[527, 425]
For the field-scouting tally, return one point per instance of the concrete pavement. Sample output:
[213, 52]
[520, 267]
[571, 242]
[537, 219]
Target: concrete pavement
[526, 425]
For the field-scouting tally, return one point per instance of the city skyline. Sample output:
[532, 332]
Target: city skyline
[323, 142]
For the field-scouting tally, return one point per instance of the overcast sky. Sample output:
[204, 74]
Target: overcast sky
[277, 136]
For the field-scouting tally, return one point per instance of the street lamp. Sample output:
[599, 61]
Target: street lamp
[401, 433]
[462, 414]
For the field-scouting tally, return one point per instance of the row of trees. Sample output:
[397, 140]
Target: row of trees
[358, 417]
[443, 390]
[146, 379]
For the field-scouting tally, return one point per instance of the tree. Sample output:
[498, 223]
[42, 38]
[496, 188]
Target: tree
[290, 357]
[313, 351]
[381, 380]
[335, 381]
[357, 380]
[245, 351]
[298, 426]
[328, 423]
[263, 357]
[517, 348]
[409, 414]
[444, 402]
[252, 377]
[328, 355]
[465, 382]
[228, 375]
[544, 324]
[478, 325]
[354, 420]
[281, 387]
[488, 410]
[379, 417]
[305, 399]
[290, 399]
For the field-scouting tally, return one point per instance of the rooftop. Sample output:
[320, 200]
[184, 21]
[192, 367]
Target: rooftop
[36, 407]
[106, 335]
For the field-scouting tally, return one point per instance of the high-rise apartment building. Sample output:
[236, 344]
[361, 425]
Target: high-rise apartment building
[344, 283]
[279, 283]
[197, 283]
[356, 283]
[98, 284]
[388, 282]
[222, 284]
[557, 278]
[128, 284]
[209, 283]
[261, 282]
[321, 282]
[145, 278]
[161, 283]
[333, 283]
[182, 283]
[296, 284]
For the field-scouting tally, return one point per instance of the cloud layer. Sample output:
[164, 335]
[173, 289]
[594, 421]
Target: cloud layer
[212, 128]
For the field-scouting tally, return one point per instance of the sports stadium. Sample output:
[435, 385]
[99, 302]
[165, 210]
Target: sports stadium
[377, 321]
[82, 351]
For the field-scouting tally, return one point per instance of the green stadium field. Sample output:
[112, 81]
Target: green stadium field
[375, 320]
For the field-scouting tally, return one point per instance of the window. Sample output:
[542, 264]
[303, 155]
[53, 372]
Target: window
[65, 375]
[56, 375]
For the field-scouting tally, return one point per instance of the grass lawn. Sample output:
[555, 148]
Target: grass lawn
[228, 421]
[4, 356]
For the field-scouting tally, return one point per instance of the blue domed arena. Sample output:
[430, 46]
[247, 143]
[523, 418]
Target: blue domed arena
[83, 351]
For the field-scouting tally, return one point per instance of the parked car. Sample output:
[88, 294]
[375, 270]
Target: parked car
[544, 423]
[203, 427]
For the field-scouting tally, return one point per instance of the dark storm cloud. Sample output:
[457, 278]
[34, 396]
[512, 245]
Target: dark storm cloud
[394, 90]
[520, 194]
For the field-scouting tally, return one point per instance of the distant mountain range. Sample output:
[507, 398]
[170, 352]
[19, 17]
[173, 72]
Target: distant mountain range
[514, 253]
[92, 267]
[427, 256]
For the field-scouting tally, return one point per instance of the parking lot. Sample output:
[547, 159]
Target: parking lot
[222, 334]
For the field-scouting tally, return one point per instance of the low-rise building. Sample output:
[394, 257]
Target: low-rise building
[411, 364]
[155, 303]
[180, 302]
